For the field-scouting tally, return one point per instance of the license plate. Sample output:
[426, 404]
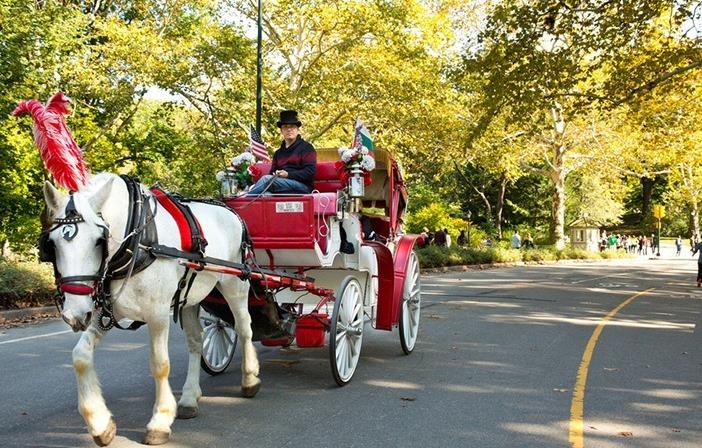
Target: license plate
[289, 207]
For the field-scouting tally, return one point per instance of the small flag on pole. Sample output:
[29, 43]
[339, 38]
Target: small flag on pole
[362, 136]
[258, 148]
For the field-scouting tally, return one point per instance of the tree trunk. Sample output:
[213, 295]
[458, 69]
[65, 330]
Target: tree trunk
[558, 210]
[499, 207]
[557, 173]
[695, 218]
[646, 191]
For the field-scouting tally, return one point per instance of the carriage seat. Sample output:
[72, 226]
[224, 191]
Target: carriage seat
[326, 179]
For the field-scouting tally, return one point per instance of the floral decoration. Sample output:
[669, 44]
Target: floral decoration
[352, 156]
[243, 170]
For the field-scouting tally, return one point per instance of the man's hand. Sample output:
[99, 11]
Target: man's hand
[281, 173]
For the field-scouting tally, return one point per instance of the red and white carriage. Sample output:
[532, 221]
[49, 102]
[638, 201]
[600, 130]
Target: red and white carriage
[313, 279]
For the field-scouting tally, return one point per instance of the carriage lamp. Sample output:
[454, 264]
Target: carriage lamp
[229, 183]
[356, 181]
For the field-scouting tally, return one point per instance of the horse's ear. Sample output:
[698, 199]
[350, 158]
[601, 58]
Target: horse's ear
[97, 200]
[53, 198]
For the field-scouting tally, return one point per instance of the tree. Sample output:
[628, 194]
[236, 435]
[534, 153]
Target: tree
[540, 60]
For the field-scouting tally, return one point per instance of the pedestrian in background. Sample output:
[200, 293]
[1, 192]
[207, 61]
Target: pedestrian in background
[678, 246]
[448, 237]
[516, 240]
[440, 238]
[698, 248]
[462, 240]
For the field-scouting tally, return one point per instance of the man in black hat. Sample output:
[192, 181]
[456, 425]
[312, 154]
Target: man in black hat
[294, 163]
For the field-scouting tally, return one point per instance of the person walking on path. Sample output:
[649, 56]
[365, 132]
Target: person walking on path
[516, 240]
[698, 248]
[678, 246]
[462, 240]
[440, 238]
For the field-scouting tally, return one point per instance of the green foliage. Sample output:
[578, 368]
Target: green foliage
[435, 256]
[25, 283]
[436, 216]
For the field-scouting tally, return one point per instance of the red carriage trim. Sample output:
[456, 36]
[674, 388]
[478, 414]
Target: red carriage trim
[186, 240]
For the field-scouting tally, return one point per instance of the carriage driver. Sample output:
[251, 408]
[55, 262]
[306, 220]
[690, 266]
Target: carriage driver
[294, 163]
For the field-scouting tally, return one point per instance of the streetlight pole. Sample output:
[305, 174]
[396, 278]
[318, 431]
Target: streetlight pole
[658, 245]
[259, 66]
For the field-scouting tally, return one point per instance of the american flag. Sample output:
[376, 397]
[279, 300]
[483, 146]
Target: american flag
[258, 148]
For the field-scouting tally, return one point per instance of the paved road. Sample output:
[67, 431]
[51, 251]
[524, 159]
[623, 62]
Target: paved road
[496, 366]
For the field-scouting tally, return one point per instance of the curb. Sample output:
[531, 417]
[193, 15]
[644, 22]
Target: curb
[484, 266]
[24, 313]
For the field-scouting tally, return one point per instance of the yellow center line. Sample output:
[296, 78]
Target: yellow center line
[575, 434]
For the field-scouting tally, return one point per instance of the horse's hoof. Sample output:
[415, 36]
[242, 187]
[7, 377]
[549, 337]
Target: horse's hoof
[186, 412]
[156, 437]
[250, 392]
[107, 435]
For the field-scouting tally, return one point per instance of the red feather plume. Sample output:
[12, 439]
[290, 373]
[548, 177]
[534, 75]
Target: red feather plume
[60, 153]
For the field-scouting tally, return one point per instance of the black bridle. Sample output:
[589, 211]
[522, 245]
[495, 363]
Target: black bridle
[129, 258]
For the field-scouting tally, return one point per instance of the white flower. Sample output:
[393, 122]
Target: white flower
[364, 150]
[220, 176]
[248, 157]
[342, 150]
[347, 155]
[244, 157]
[368, 163]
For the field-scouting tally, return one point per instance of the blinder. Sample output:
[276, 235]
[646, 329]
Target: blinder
[47, 253]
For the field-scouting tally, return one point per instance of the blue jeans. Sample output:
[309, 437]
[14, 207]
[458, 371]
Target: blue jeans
[279, 185]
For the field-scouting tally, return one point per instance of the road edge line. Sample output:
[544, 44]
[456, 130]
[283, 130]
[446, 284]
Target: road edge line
[575, 432]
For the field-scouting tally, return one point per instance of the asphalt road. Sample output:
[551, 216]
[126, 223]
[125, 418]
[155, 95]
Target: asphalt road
[496, 365]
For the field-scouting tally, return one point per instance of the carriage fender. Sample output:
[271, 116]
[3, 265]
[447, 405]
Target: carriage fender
[392, 271]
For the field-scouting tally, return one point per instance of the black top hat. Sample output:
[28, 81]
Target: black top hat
[288, 117]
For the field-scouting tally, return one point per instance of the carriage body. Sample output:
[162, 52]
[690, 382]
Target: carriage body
[302, 235]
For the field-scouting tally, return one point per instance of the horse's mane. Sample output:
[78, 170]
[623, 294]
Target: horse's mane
[80, 198]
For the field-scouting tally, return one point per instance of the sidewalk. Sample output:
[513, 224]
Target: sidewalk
[7, 316]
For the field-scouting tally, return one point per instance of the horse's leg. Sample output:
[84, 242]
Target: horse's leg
[91, 404]
[236, 293]
[187, 405]
[159, 428]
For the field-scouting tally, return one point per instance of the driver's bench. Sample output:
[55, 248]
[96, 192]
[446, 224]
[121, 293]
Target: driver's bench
[296, 221]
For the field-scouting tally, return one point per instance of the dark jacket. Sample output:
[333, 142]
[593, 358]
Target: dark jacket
[299, 160]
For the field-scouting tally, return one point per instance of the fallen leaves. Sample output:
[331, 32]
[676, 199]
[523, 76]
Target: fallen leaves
[283, 362]
[626, 434]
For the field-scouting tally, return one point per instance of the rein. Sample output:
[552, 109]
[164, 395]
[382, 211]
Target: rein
[135, 253]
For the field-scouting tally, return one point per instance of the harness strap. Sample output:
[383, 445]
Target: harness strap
[176, 302]
[192, 238]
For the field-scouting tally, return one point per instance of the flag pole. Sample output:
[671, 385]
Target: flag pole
[259, 64]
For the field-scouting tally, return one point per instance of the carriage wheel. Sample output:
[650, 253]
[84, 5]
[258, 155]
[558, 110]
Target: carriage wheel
[346, 332]
[218, 343]
[411, 302]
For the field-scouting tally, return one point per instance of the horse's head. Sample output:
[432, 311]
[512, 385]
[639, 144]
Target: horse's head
[77, 244]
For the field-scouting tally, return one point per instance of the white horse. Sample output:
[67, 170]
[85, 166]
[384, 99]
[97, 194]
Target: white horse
[146, 297]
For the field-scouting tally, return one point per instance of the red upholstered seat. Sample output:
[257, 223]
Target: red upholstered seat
[326, 180]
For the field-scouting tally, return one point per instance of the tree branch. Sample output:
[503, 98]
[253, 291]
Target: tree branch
[656, 81]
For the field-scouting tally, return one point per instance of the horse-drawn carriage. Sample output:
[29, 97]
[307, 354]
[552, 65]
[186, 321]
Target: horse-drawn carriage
[325, 262]
[334, 262]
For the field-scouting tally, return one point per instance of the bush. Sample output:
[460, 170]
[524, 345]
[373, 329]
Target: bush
[25, 283]
[436, 256]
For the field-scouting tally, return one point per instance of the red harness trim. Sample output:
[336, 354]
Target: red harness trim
[186, 242]
[77, 288]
